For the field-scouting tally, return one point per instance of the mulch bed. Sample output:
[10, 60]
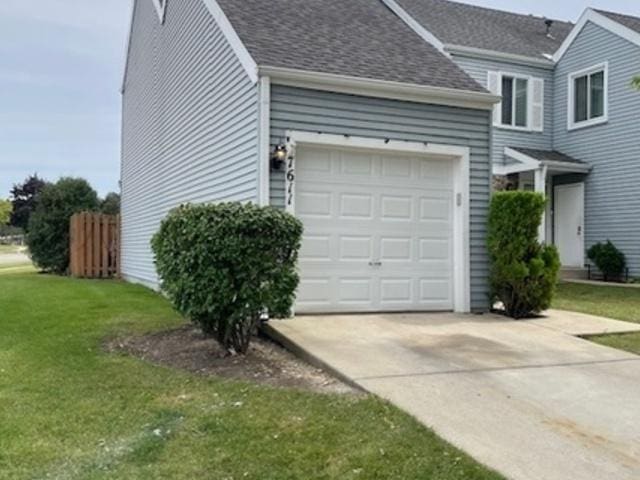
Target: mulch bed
[266, 363]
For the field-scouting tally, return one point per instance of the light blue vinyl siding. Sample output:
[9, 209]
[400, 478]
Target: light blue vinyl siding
[315, 111]
[612, 189]
[478, 69]
[189, 125]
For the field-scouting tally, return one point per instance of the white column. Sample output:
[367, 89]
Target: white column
[540, 182]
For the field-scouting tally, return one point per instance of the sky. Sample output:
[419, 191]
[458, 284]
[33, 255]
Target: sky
[61, 66]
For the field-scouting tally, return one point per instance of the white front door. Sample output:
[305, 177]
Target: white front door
[378, 231]
[569, 224]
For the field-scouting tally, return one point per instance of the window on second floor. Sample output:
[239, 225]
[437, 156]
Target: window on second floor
[515, 102]
[587, 97]
[522, 105]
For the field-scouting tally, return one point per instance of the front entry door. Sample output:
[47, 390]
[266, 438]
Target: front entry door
[569, 224]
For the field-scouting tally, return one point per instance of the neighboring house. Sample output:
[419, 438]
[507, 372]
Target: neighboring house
[387, 144]
[569, 122]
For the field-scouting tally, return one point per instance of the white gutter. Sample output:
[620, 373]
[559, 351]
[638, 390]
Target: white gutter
[380, 88]
[499, 56]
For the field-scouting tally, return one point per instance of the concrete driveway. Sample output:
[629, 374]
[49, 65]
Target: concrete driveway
[525, 398]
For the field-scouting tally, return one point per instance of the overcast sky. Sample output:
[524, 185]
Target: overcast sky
[61, 64]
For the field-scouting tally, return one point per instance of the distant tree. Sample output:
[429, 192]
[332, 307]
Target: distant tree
[111, 204]
[23, 198]
[48, 234]
[5, 212]
[635, 83]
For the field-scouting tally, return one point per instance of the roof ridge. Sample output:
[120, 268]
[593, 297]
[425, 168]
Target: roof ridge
[601, 10]
[507, 12]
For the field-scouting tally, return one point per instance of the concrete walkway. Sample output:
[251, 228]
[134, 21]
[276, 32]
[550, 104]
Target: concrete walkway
[525, 398]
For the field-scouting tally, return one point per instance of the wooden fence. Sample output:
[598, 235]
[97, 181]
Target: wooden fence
[94, 247]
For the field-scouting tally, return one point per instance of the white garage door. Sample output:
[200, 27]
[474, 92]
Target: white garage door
[378, 231]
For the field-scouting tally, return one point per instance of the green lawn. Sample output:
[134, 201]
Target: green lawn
[70, 411]
[620, 303]
[9, 249]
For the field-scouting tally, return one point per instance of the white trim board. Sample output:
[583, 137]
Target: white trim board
[380, 88]
[603, 21]
[461, 228]
[264, 139]
[161, 8]
[589, 122]
[128, 46]
[483, 54]
[225, 26]
[422, 32]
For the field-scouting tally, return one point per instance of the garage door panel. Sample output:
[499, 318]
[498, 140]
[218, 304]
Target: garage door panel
[434, 249]
[434, 291]
[352, 163]
[314, 290]
[316, 247]
[397, 167]
[435, 208]
[397, 208]
[396, 290]
[355, 248]
[356, 206]
[396, 249]
[377, 232]
[314, 203]
[355, 290]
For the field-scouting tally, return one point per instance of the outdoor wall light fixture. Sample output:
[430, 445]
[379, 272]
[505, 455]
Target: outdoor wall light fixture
[278, 157]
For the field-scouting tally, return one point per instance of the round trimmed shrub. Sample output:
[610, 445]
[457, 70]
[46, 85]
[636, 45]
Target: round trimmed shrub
[48, 234]
[524, 272]
[223, 266]
[609, 260]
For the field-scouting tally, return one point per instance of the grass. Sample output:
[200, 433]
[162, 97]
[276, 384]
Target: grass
[620, 303]
[9, 249]
[70, 411]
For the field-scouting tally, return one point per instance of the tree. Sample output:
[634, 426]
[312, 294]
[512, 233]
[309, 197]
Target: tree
[24, 199]
[111, 204]
[5, 212]
[635, 83]
[48, 234]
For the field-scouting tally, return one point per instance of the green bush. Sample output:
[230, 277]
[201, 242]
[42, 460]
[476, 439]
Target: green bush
[609, 260]
[48, 234]
[524, 273]
[224, 265]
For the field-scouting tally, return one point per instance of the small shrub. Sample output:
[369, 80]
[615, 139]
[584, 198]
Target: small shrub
[609, 260]
[48, 234]
[524, 273]
[224, 265]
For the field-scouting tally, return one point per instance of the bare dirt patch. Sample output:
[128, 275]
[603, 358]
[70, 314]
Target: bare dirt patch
[266, 363]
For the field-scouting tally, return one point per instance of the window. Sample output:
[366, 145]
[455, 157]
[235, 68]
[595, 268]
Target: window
[515, 103]
[522, 105]
[588, 97]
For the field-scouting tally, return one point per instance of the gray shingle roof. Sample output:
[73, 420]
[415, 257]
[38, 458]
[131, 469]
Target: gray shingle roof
[359, 38]
[627, 20]
[471, 26]
[548, 155]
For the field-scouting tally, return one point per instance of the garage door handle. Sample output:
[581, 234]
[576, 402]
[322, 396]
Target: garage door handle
[375, 264]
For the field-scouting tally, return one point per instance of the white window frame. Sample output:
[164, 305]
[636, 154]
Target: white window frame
[571, 123]
[161, 8]
[532, 104]
[516, 76]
